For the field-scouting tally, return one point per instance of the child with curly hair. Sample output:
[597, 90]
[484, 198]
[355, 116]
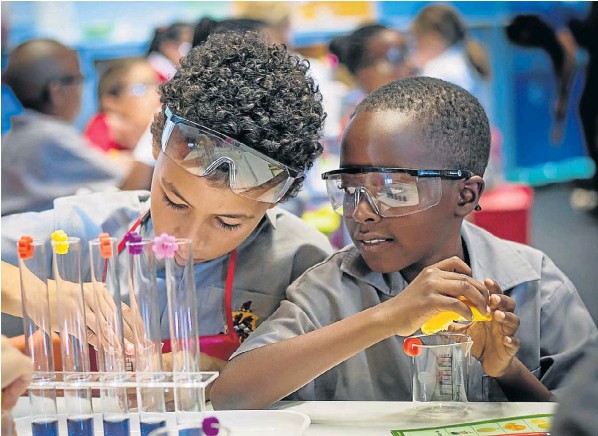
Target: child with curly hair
[239, 127]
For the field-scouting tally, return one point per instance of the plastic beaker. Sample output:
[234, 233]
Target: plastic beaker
[439, 373]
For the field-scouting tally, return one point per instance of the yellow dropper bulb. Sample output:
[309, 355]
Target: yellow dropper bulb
[61, 241]
[443, 320]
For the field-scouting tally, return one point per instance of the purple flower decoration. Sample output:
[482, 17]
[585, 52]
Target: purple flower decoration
[165, 246]
[134, 237]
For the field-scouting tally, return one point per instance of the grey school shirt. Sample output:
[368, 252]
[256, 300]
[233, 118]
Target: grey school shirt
[556, 330]
[278, 251]
[44, 158]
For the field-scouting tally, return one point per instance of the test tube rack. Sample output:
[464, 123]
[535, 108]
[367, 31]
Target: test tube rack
[102, 380]
[64, 381]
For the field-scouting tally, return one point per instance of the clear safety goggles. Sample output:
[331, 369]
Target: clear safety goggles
[390, 192]
[200, 151]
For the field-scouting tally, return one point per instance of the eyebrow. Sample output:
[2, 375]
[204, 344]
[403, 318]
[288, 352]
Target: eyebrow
[171, 187]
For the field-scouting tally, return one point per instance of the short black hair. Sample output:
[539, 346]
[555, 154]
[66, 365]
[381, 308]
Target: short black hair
[453, 121]
[253, 91]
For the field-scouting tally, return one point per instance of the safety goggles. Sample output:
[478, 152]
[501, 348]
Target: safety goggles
[390, 192]
[200, 151]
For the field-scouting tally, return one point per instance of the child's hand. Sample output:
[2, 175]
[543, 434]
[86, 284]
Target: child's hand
[101, 314]
[494, 342]
[436, 289]
[17, 373]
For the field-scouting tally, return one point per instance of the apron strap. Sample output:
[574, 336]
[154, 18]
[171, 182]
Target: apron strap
[228, 294]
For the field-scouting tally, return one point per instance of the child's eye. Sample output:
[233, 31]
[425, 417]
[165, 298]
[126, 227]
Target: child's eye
[171, 204]
[226, 226]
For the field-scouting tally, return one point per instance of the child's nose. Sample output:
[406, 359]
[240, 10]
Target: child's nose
[364, 209]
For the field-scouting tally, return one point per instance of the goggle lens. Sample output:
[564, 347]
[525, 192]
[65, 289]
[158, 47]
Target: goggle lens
[389, 195]
[201, 151]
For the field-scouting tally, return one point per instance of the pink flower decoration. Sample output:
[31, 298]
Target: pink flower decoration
[165, 246]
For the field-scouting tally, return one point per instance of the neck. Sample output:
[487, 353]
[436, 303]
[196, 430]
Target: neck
[454, 247]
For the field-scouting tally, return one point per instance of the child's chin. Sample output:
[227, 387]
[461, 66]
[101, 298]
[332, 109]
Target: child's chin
[381, 265]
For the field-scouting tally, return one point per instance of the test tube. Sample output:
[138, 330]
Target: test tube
[109, 332]
[143, 295]
[184, 322]
[73, 331]
[33, 269]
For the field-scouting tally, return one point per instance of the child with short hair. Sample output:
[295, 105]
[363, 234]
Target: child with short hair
[412, 161]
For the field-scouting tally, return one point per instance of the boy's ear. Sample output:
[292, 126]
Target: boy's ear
[470, 191]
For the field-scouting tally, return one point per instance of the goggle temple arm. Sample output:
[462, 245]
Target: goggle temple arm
[286, 187]
[168, 128]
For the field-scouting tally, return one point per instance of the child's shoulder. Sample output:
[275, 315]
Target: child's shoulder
[345, 261]
[508, 262]
[100, 209]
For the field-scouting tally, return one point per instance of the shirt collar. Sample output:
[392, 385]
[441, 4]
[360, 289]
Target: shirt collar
[489, 257]
[496, 259]
[271, 216]
[354, 265]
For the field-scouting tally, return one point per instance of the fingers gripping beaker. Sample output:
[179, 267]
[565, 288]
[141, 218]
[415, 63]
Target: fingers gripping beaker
[439, 373]
[33, 269]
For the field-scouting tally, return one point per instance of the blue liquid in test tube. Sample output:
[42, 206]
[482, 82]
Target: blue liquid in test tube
[80, 426]
[45, 428]
[148, 426]
[191, 432]
[116, 427]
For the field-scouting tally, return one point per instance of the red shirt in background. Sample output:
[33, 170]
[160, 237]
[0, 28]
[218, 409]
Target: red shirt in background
[98, 134]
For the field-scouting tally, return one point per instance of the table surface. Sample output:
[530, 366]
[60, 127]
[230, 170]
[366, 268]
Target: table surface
[373, 418]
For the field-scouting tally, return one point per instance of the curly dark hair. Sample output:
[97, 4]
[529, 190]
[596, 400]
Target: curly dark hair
[453, 121]
[253, 91]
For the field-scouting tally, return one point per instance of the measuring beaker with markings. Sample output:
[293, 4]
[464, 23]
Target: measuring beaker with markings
[439, 373]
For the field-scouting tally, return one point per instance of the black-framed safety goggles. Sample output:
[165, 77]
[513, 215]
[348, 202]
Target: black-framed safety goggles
[390, 192]
[200, 151]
